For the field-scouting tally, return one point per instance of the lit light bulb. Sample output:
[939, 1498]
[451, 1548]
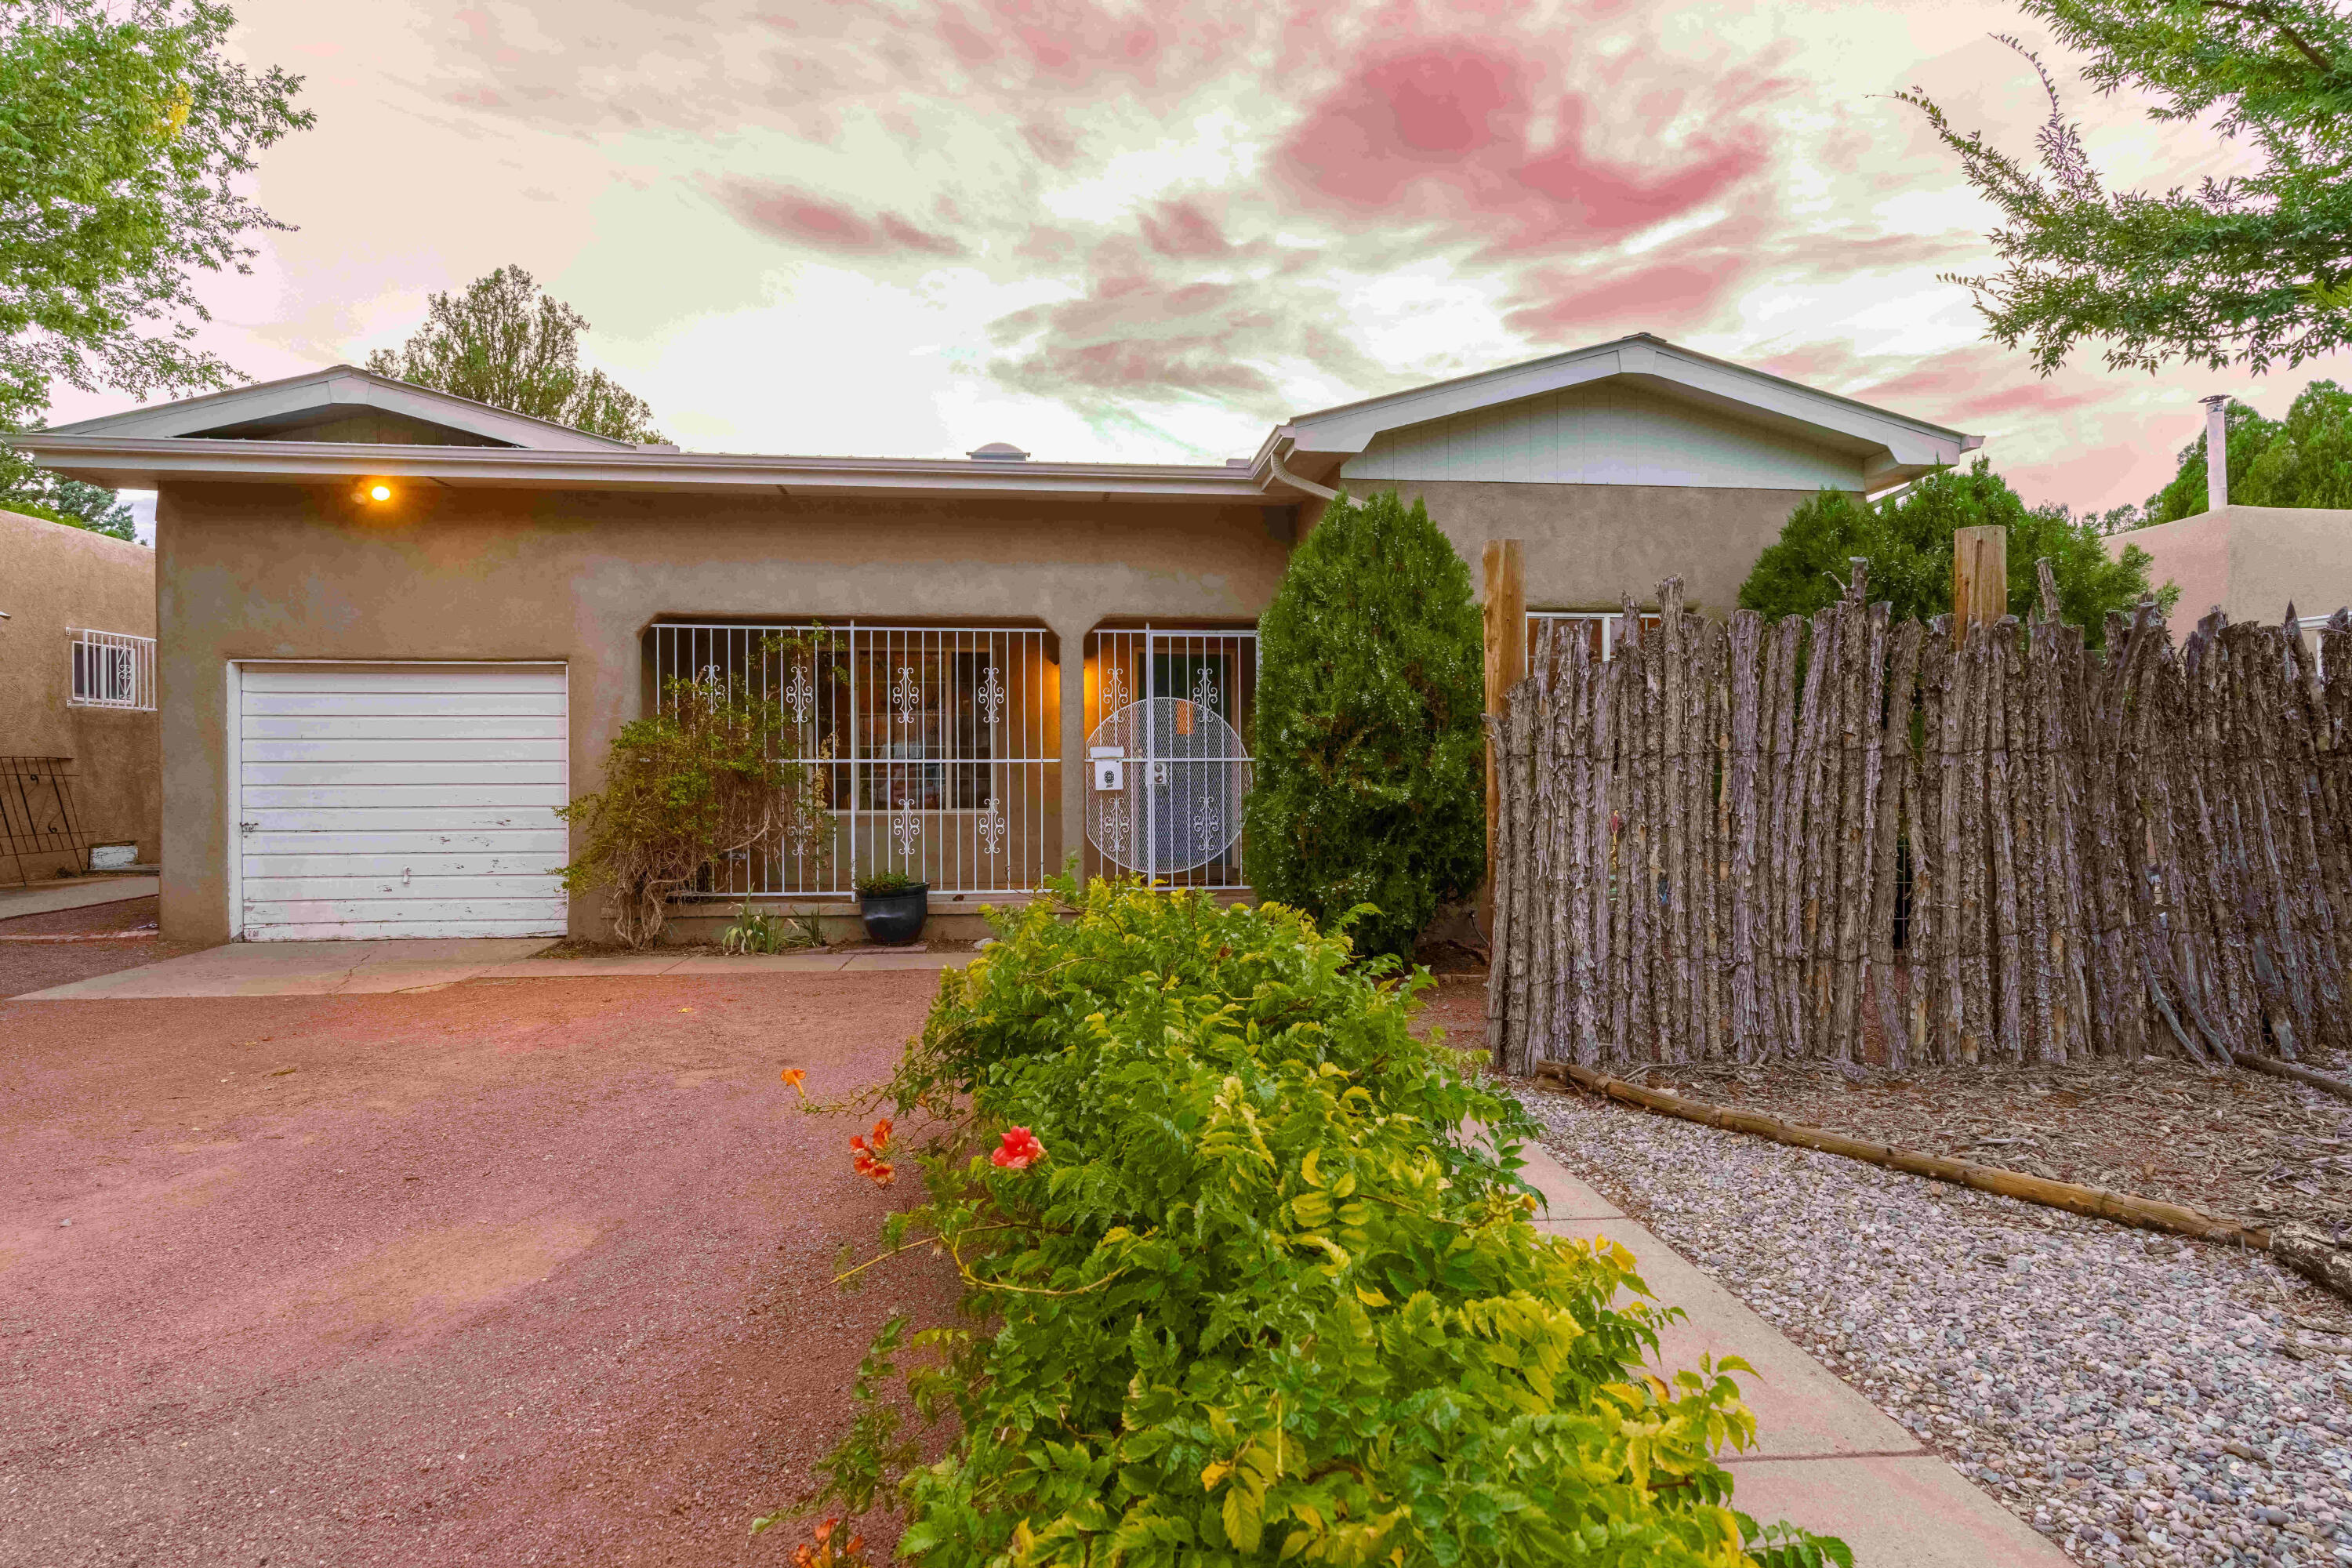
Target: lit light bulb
[379, 492]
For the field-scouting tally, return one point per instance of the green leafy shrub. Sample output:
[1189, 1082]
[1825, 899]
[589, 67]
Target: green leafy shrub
[1907, 539]
[713, 774]
[759, 930]
[884, 883]
[1255, 1287]
[1371, 772]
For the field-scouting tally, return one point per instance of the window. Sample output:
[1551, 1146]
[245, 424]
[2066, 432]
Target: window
[113, 669]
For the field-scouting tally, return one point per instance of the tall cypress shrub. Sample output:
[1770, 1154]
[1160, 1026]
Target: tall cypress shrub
[1371, 783]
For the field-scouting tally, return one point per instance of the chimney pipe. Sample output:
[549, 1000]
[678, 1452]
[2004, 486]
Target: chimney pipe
[2217, 453]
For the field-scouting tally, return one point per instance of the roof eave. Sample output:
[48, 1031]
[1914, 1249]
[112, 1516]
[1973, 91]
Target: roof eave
[147, 464]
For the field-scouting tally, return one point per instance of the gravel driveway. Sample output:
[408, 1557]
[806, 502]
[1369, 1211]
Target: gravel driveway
[2131, 1397]
[514, 1272]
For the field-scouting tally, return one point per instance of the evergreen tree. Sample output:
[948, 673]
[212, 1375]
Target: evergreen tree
[1370, 780]
[2248, 436]
[506, 344]
[1907, 539]
[71, 502]
[2309, 461]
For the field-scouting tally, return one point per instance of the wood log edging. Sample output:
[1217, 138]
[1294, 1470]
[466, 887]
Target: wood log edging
[2295, 1070]
[2125, 1208]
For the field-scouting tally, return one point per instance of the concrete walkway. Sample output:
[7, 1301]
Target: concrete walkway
[1826, 1457]
[364, 968]
[79, 892]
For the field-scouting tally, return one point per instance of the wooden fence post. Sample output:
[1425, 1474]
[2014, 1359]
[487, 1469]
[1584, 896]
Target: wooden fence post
[1979, 578]
[1506, 666]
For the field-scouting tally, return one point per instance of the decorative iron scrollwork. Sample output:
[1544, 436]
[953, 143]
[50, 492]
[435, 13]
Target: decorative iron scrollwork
[800, 695]
[990, 697]
[907, 828]
[906, 694]
[989, 826]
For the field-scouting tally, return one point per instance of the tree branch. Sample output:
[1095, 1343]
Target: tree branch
[2262, 12]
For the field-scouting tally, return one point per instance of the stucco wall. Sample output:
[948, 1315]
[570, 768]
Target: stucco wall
[1588, 544]
[257, 571]
[2251, 561]
[53, 578]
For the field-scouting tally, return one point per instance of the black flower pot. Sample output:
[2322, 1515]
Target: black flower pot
[892, 919]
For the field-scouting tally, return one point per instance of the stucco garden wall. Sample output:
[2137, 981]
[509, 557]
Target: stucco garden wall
[2251, 561]
[53, 578]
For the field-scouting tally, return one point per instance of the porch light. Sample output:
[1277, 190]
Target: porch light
[379, 492]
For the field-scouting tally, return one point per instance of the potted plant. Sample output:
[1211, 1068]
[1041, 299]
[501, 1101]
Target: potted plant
[893, 905]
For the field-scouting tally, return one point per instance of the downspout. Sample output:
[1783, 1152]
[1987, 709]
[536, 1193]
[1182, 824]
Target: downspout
[1274, 459]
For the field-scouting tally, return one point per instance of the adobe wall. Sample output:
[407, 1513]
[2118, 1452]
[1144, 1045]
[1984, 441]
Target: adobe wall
[53, 578]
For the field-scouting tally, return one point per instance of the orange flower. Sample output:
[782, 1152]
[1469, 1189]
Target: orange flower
[868, 1157]
[793, 1076]
[1019, 1150]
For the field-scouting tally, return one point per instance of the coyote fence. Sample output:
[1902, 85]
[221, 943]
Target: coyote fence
[1843, 840]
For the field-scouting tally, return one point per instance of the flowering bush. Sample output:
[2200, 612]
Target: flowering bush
[1253, 1289]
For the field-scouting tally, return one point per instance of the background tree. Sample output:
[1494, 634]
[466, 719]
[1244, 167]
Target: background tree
[75, 504]
[2252, 267]
[2305, 460]
[1370, 774]
[124, 129]
[1907, 538]
[506, 344]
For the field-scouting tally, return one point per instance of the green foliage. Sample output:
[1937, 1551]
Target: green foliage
[714, 773]
[758, 930]
[126, 132]
[2253, 266]
[1908, 539]
[2249, 435]
[506, 344]
[2303, 460]
[1271, 1293]
[1369, 783]
[884, 883]
[73, 503]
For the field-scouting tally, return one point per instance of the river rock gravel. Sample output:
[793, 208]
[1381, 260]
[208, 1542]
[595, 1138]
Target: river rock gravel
[2137, 1398]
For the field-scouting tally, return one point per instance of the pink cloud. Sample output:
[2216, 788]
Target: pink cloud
[798, 217]
[1443, 130]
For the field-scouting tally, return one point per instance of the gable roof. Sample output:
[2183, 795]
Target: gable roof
[268, 407]
[1893, 447]
[241, 435]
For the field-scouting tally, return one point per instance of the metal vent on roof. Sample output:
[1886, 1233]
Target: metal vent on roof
[998, 452]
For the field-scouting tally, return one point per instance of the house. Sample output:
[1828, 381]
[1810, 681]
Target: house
[398, 627]
[80, 757]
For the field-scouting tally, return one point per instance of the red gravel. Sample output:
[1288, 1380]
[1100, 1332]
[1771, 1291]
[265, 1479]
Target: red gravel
[515, 1272]
[38, 965]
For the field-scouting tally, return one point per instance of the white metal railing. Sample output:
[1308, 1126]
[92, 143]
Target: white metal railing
[938, 748]
[1169, 717]
[112, 669]
[1602, 627]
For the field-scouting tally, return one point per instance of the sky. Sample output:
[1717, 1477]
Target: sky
[1149, 232]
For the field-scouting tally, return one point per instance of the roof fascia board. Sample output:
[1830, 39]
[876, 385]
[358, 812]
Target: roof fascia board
[143, 463]
[343, 385]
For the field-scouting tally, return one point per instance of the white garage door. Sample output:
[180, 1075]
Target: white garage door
[408, 800]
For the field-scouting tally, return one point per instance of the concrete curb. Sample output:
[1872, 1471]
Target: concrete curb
[50, 897]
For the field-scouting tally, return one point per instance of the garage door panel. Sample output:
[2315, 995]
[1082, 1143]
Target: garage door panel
[384, 931]
[390, 750]
[260, 892]
[404, 704]
[511, 798]
[360, 819]
[501, 841]
[454, 679]
[315, 912]
[386, 773]
[401, 801]
[403, 727]
[261, 868]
